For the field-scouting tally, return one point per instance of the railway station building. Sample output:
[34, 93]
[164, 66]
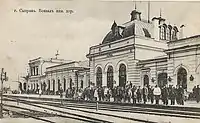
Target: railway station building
[145, 53]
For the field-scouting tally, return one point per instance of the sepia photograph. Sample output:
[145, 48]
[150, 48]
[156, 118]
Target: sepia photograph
[99, 61]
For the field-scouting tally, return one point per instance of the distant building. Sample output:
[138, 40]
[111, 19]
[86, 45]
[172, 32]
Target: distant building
[67, 75]
[145, 53]
[50, 75]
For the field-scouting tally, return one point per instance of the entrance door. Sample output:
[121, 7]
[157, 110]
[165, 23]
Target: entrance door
[162, 79]
[146, 80]
[182, 77]
[122, 75]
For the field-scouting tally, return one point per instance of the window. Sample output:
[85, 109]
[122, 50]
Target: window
[163, 33]
[59, 84]
[99, 77]
[182, 77]
[146, 80]
[81, 83]
[122, 75]
[49, 85]
[70, 83]
[33, 71]
[174, 34]
[168, 33]
[64, 80]
[110, 77]
[37, 70]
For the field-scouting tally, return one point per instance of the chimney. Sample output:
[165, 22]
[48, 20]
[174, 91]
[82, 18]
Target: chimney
[157, 21]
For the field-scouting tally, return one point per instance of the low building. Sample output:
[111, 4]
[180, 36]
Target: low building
[50, 75]
[68, 75]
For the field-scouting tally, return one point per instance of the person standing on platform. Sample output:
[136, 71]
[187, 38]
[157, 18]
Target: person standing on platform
[181, 95]
[145, 94]
[197, 94]
[151, 94]
[99, 93]
[129, 94]
[40, 92]
[61, 92]
[134, 94]
[139, 94]
[157, 93]
[106, 94]
[165, 95]
[95, 94]
[177, 94]
[172, 95]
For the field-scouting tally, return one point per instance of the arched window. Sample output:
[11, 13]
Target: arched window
[174, 34]
[122, 75]
[163, 33]
[168, 34]
[182, 77]
[99, 77]
[162, 79]
[110, 77]
[64, 81]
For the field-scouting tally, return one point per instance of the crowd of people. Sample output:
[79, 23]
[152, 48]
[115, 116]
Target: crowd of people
[130, 93]
[135, 94]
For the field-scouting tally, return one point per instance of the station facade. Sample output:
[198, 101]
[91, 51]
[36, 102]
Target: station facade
[145, 53]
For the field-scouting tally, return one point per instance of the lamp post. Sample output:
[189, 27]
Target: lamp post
[3, 78]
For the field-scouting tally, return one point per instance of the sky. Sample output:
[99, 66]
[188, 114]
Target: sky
[26, 36]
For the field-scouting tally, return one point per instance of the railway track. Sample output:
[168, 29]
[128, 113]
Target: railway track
[28, 112]
[73, 105]
[112, 104]
[132, 109]
[43, 106]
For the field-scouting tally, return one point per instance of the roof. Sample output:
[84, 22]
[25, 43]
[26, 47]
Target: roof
[69, 68]
[62, 64]
[191, 37]
[135, 27]
[158, 59]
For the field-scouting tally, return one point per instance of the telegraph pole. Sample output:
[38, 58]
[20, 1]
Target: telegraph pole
[3, 78]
